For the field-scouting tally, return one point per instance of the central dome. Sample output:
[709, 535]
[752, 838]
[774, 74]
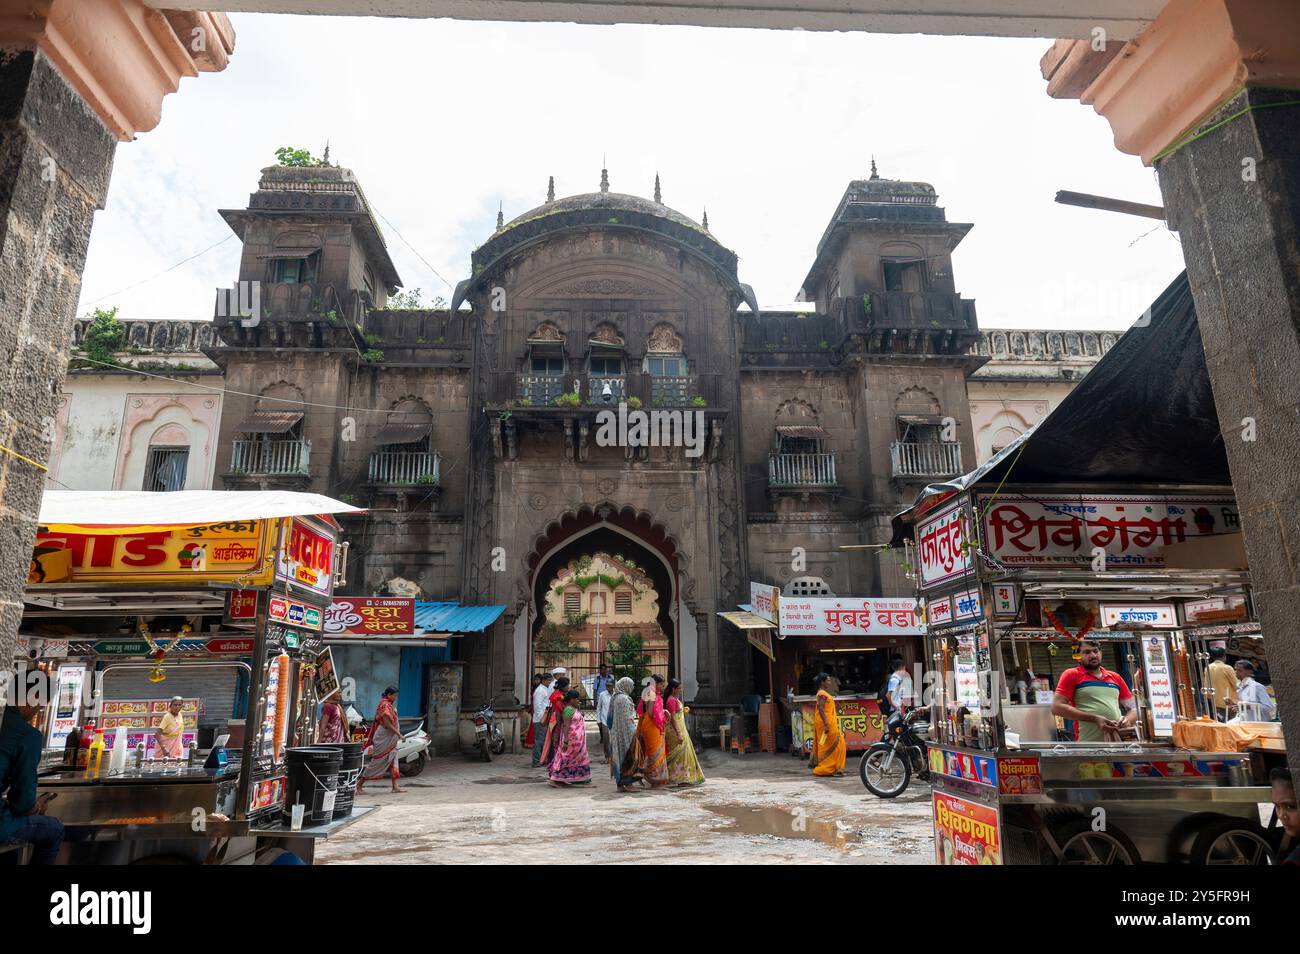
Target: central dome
[613, 201]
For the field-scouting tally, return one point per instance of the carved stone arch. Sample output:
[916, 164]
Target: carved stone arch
[546, 331]
[203, 336]
[917, 401]
[281, 396]
[607, 333]
[796, 409]
[160, 336]
[412, 406]
[182, 335]
[170, 433]
[664, 339]
[297, 238]
[901, 250]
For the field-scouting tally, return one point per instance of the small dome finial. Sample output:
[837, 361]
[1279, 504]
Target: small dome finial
[604, 176]
[550, 190]
[501, 218]
[659, 196]
[325, 159]
[705, 223]
[874, 173]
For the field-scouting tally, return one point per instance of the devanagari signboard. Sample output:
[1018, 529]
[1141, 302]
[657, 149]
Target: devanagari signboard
[849, 616]
[941, 546]
[1160, 615]
[1062, 531]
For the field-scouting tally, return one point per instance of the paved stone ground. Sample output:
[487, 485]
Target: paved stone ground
[753, 808]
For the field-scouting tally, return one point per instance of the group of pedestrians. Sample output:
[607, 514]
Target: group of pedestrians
[645, 742]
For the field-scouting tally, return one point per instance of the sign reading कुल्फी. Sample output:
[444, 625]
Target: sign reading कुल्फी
[1161, 615]
[763, 600]
[307, 559]
[1061, 530]
[942, 547]
[370, 616]
[219, 551]
[849, 616]
[965, 832]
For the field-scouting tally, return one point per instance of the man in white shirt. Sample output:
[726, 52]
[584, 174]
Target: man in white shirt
[541, 699]
[1253, 701]
[603, 701]
[899, 690]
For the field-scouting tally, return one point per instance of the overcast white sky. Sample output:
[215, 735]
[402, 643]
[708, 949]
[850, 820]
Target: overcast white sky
[441, 120]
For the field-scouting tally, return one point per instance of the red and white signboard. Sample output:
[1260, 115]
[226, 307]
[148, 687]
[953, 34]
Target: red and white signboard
[940, 610]
[941, 545]
[307, 560]
[1062, 531]
[241, 606]
[238, 644]
[763, 600]
[370, 616]
[849, 616]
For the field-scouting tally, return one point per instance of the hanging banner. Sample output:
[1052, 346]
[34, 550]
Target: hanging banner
[192, 555]
[1160, 686]
[967, 605]
[327, 679]
[1006, 599]
[942, 547]
[1063, 530]
[849, 616]
[241, 606]
[307, 559]
[67, 703]
[939, 610]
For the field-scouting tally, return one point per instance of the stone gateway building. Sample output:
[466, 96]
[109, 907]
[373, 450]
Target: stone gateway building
[474, 432]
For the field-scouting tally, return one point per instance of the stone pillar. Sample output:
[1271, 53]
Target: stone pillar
[1233, 196]
[55, 160]
[1210, 95]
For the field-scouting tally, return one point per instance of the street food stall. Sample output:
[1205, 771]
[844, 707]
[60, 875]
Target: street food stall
[209, 606]
[851, 638]
[1108, 523]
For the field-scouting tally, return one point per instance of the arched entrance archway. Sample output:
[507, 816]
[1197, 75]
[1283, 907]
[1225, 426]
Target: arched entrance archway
[612, 530]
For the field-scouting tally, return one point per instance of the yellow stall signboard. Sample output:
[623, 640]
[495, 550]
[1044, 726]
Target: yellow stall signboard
[233, 550]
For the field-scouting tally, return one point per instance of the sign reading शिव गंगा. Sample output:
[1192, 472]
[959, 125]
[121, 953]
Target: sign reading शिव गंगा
[849, 616]
[1061, 531]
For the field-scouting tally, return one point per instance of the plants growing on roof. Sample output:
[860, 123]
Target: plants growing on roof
[104, 335]
[699, 402]
[289, 156]
[373, 354]
[571, 399]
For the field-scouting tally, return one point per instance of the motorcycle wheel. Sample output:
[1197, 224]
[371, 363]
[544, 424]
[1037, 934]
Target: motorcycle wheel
[484, 750]
[498, 744]
[881, 781]
[413, 767]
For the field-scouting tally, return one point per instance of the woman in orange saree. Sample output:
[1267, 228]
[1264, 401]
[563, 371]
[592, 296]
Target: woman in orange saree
[829, 749]
[650, 734]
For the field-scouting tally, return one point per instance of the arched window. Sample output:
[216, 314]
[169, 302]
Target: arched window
[666, 365]
[168, 461]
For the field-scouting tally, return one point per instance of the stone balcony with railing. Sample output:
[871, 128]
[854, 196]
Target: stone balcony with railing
[276, 459]
[801, 473]
[911, 460]
[404, 469]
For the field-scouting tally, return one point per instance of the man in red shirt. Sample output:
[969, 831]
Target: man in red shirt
[1098, 700]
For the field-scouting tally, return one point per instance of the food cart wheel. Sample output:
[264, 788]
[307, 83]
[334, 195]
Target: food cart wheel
[1232, 841]
[1080, 845]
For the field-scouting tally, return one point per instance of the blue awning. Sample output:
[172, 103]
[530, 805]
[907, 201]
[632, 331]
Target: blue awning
[442, 617]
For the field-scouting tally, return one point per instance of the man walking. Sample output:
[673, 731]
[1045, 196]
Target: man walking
[541, 699]
[603, 700]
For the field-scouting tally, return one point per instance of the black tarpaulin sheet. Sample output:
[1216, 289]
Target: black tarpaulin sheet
[1144, 414]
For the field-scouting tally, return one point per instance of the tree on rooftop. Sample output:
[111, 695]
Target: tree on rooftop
[104, 335]
[289, 156]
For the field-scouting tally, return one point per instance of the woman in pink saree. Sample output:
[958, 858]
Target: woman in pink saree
[572, 762]
[332, 726]
[385, 733]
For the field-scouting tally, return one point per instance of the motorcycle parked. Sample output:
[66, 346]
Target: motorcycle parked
[488, 737]
[412, 751]
[887, 766]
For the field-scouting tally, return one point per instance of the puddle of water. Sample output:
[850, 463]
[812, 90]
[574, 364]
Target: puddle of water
[785, 823]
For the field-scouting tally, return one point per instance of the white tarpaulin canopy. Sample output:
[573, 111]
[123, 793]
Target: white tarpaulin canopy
[140, 508]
